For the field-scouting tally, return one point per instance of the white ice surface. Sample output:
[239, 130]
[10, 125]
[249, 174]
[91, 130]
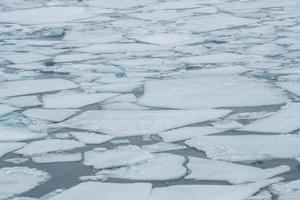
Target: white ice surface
[74, 100]
[8, 133]
[91, 138]
[17, 180]
[187, 133]
[127, 123]
[6, 109]
[290, 86]
[284, 121]
[248, 147]
[6, 147]
[287, 191]
[44, 15]
[55, 158]
[49, 145]
[23, 87]
[167, 39]
[24, 101]
[116, 157]
[205, 169]
[23, 57]
[52, 115]
[212, 92]
[162, 166]
[162, 146]
[109, 191]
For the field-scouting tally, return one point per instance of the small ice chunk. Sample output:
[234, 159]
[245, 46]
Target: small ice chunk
[185, 133]
[16, 88]
[74, 100]
[205, 169]
[234, 91]
[91, 138]
[9, 134]
[248, 147]
[108, 191]
[44, 15]
[55, 157]
[5, 109]
[17, 180]
[284, 121]
[24, 101]
[162, 166]
[49, 145]
[6, 147]
[52, 115]
[162, 146]
[17, 161]
[115, 158]
[128, 123]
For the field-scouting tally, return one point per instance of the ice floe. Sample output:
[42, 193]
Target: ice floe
[6, 109]
[205, 169]
[17, 180]
[91, 138]
[9, 134]
[23, 87]
[24, 101]
[127, 123]
[53, 115]
[287, 191]
[111, 191]
[248, 147]
[7, 147]
[49, 145]
[234, 91]
[57, 157]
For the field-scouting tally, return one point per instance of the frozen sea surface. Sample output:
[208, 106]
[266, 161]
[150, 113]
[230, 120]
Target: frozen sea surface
[149, 100]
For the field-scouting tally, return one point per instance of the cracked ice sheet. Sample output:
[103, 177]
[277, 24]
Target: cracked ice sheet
[44, 15]
[23, 57]
[234, 91]
[205, 169]
[284, 121]
[129, 123]
[248, 147]
[187, 133]
[10, 134]
[52, 115]
[208, 192]
[108, 191]
[49, 145]
[6, 147]
[23, 87]
[290, 86]
[162, 166]
[123, 156]
[24, 101]
[74, 100]
[6, 109]
[287, 191]
[17, 180]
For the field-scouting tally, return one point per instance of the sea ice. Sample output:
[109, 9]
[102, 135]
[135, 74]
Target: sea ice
[49, 145]
[205, 169]
[128, 123]
[109, 191]
[9, 134]
[287, 191]
[267, 50]
[6, 147]
[248, 147]
[284, 121]
[44, 15]
[91, 138]
[23, 87]
[185, 133]
[162, 146]
[53, 115]
[24, 101]
[234, 91]
[17, 180]
[74, 100]
[115, 158]
[24, 57]
[5, 109]
[162, 166]
[74, 57]
[56, 157]
[168, 39]
[290, 86]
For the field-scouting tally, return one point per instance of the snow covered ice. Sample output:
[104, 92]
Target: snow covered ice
[149, 99]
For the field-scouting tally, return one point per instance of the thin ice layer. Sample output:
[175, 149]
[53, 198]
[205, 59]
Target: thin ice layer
[205, 169]
[52, 115]
[91, 138]
[211, 92]
[8, 134]
[127, 123]
[17, 180]
[57, 157]
[6, 147]
[16, 88]
[248, 147]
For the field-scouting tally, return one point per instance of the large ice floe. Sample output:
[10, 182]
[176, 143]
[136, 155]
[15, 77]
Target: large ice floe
[127, 123]
[248, 147]
[17, 180]
[211, 92]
